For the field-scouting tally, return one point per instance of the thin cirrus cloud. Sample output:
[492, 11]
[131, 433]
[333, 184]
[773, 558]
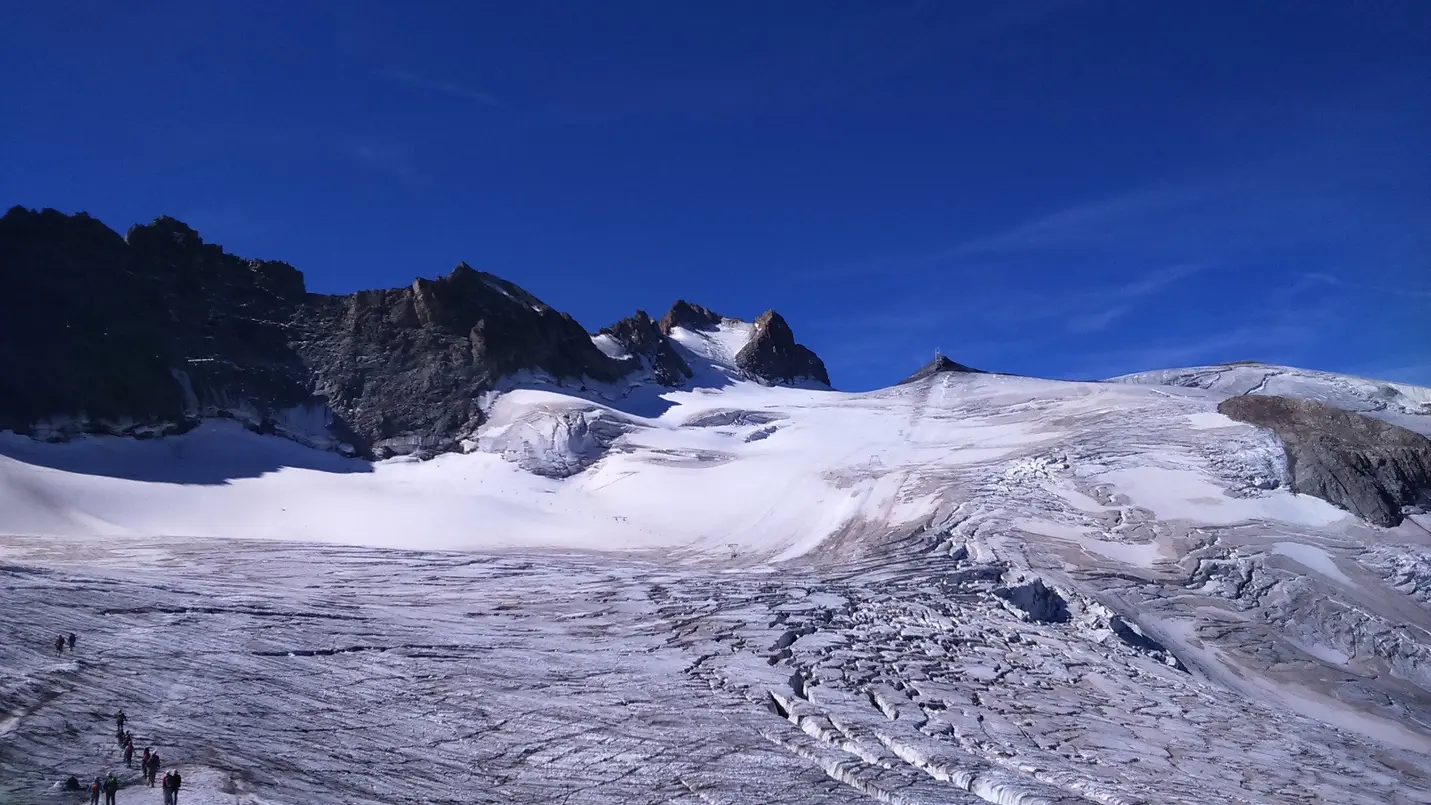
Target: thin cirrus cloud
[416, 81]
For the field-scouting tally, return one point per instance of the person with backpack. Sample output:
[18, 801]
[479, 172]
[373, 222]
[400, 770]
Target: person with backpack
[129, 754]
[153, 770]
[94, 789]
[111, 787]
[72, 641]
[60, 646]
[169, 788]
[119, 719]
[174, 781]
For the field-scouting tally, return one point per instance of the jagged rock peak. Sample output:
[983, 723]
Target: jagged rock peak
[939, 365]
[164, 229]
[643, 339]
[689, 316]
[773, 356]
[1369, 467]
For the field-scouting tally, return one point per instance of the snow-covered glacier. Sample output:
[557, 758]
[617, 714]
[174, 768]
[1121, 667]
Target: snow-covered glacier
[970, 588]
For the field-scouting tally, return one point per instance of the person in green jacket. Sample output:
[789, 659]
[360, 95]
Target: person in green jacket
[111, 787]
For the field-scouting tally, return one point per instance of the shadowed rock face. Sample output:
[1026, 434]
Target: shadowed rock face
[772, 356]
[139, 334]
[152, 332]
[1368, 467]
[641, 337]
[939, 365]
[404, 367]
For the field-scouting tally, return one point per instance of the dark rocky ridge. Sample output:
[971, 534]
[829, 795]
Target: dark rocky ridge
[939, 365]
[772, 356]
[690, 316]
[643, 339]
[404, 368]
[1369, 467]
[150, 333]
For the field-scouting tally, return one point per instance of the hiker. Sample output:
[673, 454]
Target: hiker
[153, 768]
[169, 788]
[144, 762]
[60, 645]
[129, 754]
[72, 641]
[94, 789]
[111, 786]
[174, 780]
[119, 719]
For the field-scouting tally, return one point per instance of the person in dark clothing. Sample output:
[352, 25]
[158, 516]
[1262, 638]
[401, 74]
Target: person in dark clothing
[94, 789]
[153, 768]
[174, 780]
[128, 754]
[72, 641]
[111, 787]
[59, 645]
[168, 788]
[119, 720]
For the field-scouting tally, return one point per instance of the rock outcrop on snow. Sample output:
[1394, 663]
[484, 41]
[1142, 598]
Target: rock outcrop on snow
[151, 333]
[644, 340]
[690, 316]
[1366, 466]
[939, 365]
[405, 368]
[772, 356]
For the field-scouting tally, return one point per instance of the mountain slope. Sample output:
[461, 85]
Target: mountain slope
[158, 331]
[665, 562]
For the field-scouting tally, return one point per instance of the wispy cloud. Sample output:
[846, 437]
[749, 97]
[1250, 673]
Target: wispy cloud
[836, 55]
[1113, 221]
[393, 161]
[1095, 308]
[446, 87]
[1316, 278]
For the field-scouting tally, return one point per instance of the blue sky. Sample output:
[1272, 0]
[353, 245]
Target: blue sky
[1068, 189]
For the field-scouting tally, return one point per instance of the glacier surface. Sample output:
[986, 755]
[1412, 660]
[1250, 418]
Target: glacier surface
[974, 588]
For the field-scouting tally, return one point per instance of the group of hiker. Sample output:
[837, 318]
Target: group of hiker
[149, 764]
[60, 644]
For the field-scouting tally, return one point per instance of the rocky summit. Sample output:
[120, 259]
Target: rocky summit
[939, 365]
[159, 330]
[772, 356]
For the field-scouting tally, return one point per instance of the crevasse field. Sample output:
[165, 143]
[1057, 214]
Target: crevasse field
[970, 589]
